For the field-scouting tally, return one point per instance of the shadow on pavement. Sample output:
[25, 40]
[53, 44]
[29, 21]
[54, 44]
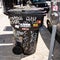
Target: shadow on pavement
[46, 36]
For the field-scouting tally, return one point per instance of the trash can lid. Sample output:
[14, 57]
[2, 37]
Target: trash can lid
[32, 11]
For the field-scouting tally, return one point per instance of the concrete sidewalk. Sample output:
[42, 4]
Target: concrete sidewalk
[4, 23]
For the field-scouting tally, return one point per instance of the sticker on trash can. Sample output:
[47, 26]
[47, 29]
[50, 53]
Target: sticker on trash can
[38, 21]
[25, 28]
[35, 25]
[25, 25]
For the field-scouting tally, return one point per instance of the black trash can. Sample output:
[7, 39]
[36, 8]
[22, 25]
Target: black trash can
[25, 19]
[25, 24]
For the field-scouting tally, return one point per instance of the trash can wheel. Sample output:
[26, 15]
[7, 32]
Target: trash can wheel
[17, 50]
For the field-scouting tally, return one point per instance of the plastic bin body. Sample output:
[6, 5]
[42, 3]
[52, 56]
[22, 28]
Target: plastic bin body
[26, 27]
[25, 20]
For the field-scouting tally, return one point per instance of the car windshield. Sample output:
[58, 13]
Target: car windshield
[39, 0]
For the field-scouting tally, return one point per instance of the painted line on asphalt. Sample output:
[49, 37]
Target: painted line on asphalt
[6, 44]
